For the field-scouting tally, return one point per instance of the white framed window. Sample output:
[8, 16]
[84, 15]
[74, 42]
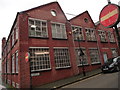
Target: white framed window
[61, 57]
[39, 58]
[8, 66]
[8, 45]
[90, 34]
[81, 59]
[77, 33]
[94, 55]
[114, 52]
[17, 85]
[16, 31]
[111, 36]
[38, 28]
[13, 64]
[12, 38]
[58, 31]
[13, 84]
[5, 67]
[53, 12]
[102, 35]
[8, 81]
[16, 61]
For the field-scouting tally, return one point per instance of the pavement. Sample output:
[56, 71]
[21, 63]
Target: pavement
[70, 80]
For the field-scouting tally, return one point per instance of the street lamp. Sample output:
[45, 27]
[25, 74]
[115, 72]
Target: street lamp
[81, 53]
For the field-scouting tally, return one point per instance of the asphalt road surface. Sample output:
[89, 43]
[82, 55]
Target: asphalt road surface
[109, 80]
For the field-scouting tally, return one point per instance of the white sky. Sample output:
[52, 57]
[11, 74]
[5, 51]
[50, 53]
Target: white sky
[9, 9]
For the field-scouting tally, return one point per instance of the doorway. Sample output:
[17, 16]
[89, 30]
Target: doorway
[105, 57]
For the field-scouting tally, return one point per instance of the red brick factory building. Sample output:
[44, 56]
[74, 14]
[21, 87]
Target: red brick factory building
[52, 44]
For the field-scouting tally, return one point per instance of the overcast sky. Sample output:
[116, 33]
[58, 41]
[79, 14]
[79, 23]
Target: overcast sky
[9, 9]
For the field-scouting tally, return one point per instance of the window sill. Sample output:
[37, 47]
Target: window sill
[38, 37]
[91, 41]
[97, 63]
[41, 70]
[103, 41]
[113, 42]
[59, 39]
[14, 73]
[80, 40]
[83, 65]
[59, 68]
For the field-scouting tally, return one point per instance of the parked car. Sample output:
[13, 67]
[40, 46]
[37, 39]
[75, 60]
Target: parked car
[112, 64]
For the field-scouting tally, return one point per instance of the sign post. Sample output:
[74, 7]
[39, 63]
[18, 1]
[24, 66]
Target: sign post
[110, 17]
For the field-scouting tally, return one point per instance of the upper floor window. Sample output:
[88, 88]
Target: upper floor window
[77, 33]
[8, 45]
[90, 34]
[38, 28]
[86, 20]
[111, 36]
[53, 12]
[59, 31]
[16, 31]
[12, 38]
[102, 35]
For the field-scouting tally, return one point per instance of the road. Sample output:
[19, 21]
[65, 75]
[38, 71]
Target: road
[109, 80]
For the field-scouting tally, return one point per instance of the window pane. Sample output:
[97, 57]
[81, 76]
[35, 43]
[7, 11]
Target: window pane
[61, 56]
[53, 31]
[16, 62]
[102, 36]
[39, 28]
[90, 34]
[13, 65]
[78, 33]
[59, 31]
[81, 59]
[111, 36]
[94, 56]
[39, 59]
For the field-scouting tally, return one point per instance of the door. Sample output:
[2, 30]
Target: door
[105, 57]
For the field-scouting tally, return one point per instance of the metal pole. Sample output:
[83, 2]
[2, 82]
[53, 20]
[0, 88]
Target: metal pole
[30, 71]
[83, 69]
[118, 37]
[109, 2]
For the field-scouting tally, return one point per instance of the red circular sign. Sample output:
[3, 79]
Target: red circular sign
[109, 16]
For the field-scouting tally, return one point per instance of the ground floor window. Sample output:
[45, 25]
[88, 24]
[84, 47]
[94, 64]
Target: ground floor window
[114, 52]
[39, 58]
[81, 60]
[17, 85]
[61, 57]
[94, 55]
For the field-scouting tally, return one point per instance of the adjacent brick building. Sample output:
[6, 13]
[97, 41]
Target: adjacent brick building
[54, 45]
